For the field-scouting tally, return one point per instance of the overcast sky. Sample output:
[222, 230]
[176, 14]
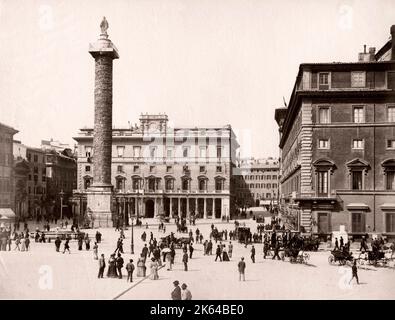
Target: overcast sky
[203, 62]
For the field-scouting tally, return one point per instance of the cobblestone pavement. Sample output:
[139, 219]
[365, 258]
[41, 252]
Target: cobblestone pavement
[43, 273]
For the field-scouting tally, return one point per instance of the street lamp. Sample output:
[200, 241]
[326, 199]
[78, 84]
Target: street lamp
[61, 194]
[132, 236]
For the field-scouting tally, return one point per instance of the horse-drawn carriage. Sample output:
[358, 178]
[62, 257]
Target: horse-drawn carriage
[340, 256]
[243, 234]
[295, 255]
[178, 242]
[377, 258]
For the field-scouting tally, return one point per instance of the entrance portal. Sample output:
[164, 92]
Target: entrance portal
[149, 208]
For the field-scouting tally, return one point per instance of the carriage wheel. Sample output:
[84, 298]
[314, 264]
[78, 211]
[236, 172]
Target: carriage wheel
[342, 262]
[282, 256]
[331, 259]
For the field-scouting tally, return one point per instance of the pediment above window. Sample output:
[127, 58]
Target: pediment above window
[324, 165]
[388, 164]
[357, 163]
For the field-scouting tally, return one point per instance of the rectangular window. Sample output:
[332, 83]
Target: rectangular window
[203, 152]
[391, 144]
[390, 222]
[356, 177]
[120, 168]
[219, 169]
[219, 152]
[120, 150]
[359, 116]
[152, 152]
[169, 169]
[391, 113]
[323, 115]
[357, 143]
[358, 79]
[323, 80]
[357, 222]
[136, 169]
[169, 153]
[88, 151]
[322, 183]
[35, 158]
[136, 151]
[390, 176]
[185, 152]
[152, 169]
[202, 169]
[323, 144]
[87, 168]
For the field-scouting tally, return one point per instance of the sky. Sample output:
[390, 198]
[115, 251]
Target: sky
[202, 62]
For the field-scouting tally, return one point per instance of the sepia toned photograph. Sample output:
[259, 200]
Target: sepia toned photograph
[219, 150]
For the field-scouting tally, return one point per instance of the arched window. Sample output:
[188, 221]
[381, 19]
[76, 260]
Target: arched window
[87, 182]
[169, 183]
[219, 184]
[185, 184]
[357, 169]
[120, 183]
[389, 173]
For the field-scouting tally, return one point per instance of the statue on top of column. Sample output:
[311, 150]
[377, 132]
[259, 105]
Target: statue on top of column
[104, 26]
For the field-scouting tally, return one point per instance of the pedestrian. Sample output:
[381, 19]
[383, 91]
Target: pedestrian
[266, 248]
[112, 268]
[141, 268]
[354, 271]
[144, 252]
[253, 254]
[242, 266]
[276, 251]
[80, 243]
[17, 242]
[341, 242]
[119, 263]
[23, 244]
[201, 238]
[87, 242]
[336, 244]
[146, 225]
[218, 253]
[130, 269]
[176, 293]
[102, 266]
[190, 250]
[185, 261]
[95, 249]
[172, 255]
[66, 246]
[167, 258]
[27, 242]
[154, 269]
[230, 250]
[57, 244]
[210, 248]
[185, 293]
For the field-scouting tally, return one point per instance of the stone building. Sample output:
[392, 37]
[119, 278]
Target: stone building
[158, 170]
[7, 192]
[257, 182]
[33, 204]
[337, 141]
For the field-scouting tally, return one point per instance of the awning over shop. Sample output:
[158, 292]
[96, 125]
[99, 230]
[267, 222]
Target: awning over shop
[357, 206]
[264, 202]
[7, 213]
[388, 206]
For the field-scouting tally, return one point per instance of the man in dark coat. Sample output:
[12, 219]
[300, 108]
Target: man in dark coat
[102, 266]
[130, 269]
[241, 267]
[218, 253]
[354, 272]
[336, 244]
[190, 250]
[119, 264]
[341, 242]
[253, 254]
[176, 293]
[185, 261]
[57, 243]
[276, 251]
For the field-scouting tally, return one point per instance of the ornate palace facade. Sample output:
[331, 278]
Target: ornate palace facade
[158, 170]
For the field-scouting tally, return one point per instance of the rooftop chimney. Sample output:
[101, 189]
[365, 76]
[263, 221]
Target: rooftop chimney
[364, 48]
[393, 42]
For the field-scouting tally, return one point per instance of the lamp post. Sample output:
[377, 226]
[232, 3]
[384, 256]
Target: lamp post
[132, 236]
[61, 194]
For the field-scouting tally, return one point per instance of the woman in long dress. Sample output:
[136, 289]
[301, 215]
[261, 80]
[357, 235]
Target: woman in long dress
[112, 270]
[154, 269]
[225, 256]
[168, 260]
[141, 267]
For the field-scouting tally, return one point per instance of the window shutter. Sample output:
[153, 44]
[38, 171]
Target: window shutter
[314, 80]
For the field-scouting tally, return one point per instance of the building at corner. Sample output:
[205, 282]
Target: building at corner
[337, 144]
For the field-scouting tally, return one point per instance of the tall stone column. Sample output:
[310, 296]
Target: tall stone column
[179, 207]
[205, 208]
[171, 207]
[100, 193]
[214, 208]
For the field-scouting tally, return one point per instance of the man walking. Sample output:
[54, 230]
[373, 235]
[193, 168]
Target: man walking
[354, 271]
[336, 244]
[230, 250]
[185, 260]
[66, 246]
[242, 266]
[176, 293]
[130, 269]
[145, 252]
[102, 266]
[276, 251]
[57, 243]
[253, 254]
[190, 250]
[218, 253]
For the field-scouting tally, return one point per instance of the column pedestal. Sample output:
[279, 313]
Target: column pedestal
[100, 206]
